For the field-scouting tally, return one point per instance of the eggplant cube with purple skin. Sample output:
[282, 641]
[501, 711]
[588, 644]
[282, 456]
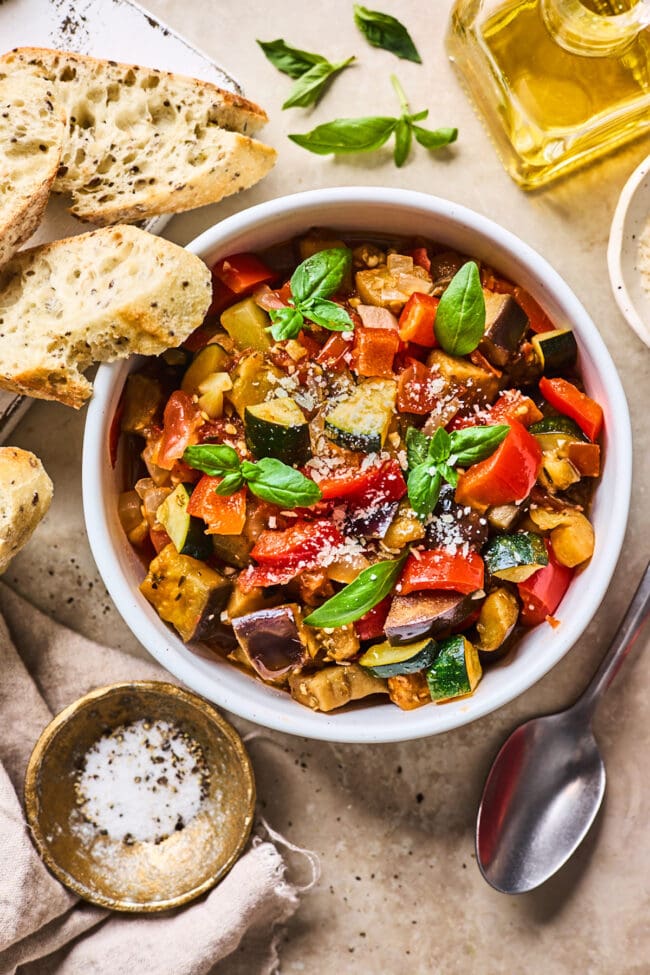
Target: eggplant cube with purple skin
[274, 640]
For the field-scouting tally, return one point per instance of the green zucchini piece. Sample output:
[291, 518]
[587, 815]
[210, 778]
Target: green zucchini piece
[556, 350]
[186, 532]
[212, 358]
[252, 380]
[456, 670]
[361, 421]
[553, 432]
[515, 557]
[385, 660]
[246, 323]
[278, 428]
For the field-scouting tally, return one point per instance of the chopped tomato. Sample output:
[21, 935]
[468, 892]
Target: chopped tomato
[537, 317]
[304, 542]
[511, 405]
[202, 335]
[567, 399]
[222, 296]
[439, 569]
[417, 320]
[181, 419]
[415, 389]
[374, 350]
[115, 431]
[333, 353]
[421, 258]
[371, 626]
[268, 299]
[542, 592]
[182, 473]
[507, 475]
[159, 539]
[224, 514]
[241, 273]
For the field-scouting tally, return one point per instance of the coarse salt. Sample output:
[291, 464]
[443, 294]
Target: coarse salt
[142, 781]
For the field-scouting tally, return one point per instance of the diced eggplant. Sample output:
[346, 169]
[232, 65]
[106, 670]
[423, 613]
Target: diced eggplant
[454, 522]
[424, 614]
[443, 267]
[476, 384]
[409, 691]
[371, 522]
[186, 593]
[338, 643]
[334, 687]
[234, 550]
[505, 326]
[242, 603]
[274, 640]
[497, 619]
[405, 527]
[143, 399]
[504, 517]
[573, 542]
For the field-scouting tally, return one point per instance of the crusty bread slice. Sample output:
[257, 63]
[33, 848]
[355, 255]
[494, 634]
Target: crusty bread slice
[31, 140]
[97, 296]
[143, 142]
[25, 496]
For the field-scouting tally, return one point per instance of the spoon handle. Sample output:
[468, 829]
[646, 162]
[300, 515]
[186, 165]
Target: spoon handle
[625, 638]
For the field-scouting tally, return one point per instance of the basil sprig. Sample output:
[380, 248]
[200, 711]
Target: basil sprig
[368, 133]
[433, 460]
[313, 281]
[359, 597]
[460, 317]
[311, 72]
[382, 30]
[267, 478]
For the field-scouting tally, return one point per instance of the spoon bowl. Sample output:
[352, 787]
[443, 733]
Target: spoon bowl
[540, 798]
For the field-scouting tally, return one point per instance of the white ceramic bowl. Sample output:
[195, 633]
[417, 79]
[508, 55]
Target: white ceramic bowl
[623, 253]
[401, 212]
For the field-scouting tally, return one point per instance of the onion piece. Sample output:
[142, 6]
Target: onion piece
[374, 316]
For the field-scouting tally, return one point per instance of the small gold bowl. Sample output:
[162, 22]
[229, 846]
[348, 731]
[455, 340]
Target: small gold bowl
[144, 876]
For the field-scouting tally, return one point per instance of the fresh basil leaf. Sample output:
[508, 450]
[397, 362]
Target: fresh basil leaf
[359, 597]
[403, 139]
[311, 85]
[423, 486]
[476, 443]
[434, 138]
[417, 447]
[287, 323]
[440, 446]
[449, 473]
[460, 318]
[347, 135]
[329, 315]
[382, 30]
[212, 458]
[280, 484]
[320, 275]
[230, 483]
[289, 59]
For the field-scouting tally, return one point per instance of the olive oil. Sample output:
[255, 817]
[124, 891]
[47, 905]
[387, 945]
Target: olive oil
[559, 81]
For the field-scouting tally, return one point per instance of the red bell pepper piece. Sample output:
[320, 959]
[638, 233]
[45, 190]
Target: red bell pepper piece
[224, 514]
[383, 483]
[304, 543]
[439, 569]
[241, 273]
[417, 320]
[374, 351]
[371, 626]
[421, 258]
[507, 475]
[537, 317]
[415, 389]
[222, 296]
[261, 576]
[542, 592]
[567, 399]
[511, 405]
[333, 353]
[181, 419]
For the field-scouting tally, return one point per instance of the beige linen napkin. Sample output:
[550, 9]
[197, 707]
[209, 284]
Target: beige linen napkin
[44, 929]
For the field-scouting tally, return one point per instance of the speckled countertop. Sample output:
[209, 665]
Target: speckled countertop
[393, 824]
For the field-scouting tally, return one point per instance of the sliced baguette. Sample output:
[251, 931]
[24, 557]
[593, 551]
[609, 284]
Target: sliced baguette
[95, 297]
[143, 142]
[25, 496]
[31, 140]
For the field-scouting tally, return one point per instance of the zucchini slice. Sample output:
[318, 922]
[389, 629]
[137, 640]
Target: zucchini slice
[556, 350]
[361, 421]
[187, 533]
[278, 428]
[212, 358]
[385, 660]
[515, 557]
[246, 323]
[253, 378]
[554, 432]
[186, 593]
[456, 670]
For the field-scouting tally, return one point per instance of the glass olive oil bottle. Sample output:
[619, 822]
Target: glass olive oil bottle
[559, 82]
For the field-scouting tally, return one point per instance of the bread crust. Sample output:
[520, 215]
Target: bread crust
[25, 496]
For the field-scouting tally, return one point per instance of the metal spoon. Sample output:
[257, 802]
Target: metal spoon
[547, 782]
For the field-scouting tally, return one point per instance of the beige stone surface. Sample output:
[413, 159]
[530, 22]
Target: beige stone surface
[394, 824]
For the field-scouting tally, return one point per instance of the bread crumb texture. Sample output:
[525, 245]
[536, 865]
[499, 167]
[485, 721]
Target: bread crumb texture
[25, 496]
[96, 297]
[142, 142]
[31, 137]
